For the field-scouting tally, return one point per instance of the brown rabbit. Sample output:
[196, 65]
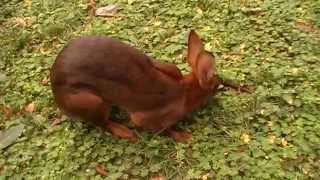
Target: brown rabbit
[92, 73]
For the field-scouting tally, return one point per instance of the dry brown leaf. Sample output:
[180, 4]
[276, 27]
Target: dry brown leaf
[44, 51]
[20, 22]
[305, 27]
[56, 121]
[45, 81]
[107, 11]
[8, 112]
[158, 178]
[226, 57]
[23, 21]
[93, 7]
[29, 107]
[101, 170]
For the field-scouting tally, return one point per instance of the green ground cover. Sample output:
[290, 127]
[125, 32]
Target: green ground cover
[273, 133]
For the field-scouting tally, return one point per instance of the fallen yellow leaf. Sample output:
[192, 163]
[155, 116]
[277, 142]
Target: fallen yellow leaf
[205, 177]
[272, 139]
[284, 142]
[28, 3]
[199, 11]
[245, 138]
[242, 47]
[270, 124]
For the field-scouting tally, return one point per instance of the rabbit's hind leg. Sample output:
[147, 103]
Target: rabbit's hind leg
[92, 108]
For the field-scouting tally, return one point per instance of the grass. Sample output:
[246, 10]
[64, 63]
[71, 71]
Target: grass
[271, 45]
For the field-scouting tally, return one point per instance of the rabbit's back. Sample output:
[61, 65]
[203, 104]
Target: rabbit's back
[101, 58]
[114, 70]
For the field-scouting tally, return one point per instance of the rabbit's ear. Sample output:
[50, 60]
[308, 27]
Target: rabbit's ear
[195, 47]
[205, 69]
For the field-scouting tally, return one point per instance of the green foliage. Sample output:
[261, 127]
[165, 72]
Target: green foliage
[273, 133]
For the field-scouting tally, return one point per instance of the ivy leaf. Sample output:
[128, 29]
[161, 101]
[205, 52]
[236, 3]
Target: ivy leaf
[155, 168]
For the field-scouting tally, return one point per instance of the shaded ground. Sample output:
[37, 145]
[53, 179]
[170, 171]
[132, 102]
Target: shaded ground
[273, 133]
